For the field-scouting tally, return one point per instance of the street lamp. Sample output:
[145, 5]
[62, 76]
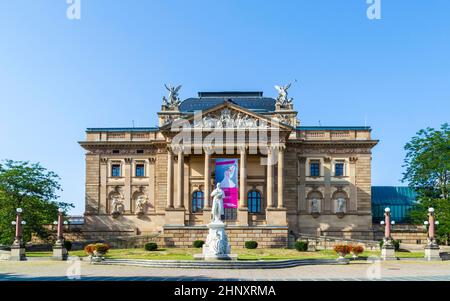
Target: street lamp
[18, 246]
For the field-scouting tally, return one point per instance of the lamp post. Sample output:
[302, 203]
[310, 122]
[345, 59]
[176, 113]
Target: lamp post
[432, 248]
[388, 248]
[18, 246]
[59, 249]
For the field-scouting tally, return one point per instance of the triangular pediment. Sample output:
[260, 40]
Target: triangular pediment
[231, 116]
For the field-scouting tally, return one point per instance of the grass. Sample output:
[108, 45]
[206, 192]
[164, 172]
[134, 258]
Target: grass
[243, 254]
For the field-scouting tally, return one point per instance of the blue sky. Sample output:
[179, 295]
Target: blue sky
[60, 76]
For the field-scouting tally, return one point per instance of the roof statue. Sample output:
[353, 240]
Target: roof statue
[173, 101]
[282, 99]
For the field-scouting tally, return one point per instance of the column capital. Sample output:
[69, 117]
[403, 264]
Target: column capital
[128, 160]
[242, 148]
[208, 150]
[353, 159]
[177, 149]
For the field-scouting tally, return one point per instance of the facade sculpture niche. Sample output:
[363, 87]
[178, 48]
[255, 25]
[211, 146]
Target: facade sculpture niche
[340, 203]
[315, 200]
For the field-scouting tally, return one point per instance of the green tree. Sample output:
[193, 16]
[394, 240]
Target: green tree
[427, 165]
[34, 189]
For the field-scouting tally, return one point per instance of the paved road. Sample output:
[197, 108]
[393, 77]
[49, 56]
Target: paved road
[359, 271]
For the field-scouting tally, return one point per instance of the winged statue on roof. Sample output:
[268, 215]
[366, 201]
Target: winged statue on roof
[282, 99]
[173, 101]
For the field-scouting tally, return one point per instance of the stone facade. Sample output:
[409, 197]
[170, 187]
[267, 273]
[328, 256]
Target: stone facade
[124, 164]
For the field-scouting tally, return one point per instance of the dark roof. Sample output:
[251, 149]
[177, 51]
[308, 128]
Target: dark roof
[152, 129]
[393, 195]
[253, 101]
[334, 128]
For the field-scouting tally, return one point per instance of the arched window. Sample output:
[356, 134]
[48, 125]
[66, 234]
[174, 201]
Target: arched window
[198, 198]
[254, 201]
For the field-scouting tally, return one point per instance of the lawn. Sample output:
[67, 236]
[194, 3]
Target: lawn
[243, 254]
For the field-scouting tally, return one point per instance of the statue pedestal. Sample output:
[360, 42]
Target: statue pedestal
[216, 246]
[59, 251]
[432, 253]
[388, 253]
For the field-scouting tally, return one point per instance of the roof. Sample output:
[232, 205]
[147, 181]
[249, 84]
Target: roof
[254, 101]
[334, 128]
[151, 129]
[393, 195]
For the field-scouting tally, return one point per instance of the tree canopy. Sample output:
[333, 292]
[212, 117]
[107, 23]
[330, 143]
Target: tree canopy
[34, 189]
[427, 165]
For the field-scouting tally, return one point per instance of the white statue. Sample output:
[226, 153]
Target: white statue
[217, 206]
[282, 98]
[174, 101]
[315, 207]
[141, 201]
[340, 205]
[117, 205]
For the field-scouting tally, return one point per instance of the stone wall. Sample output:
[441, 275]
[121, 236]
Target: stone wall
[407, 234]
[267, 237]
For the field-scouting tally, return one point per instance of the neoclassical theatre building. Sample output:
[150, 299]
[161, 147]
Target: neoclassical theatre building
[281, 179]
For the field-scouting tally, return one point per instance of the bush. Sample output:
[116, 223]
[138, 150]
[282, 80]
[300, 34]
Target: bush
[396, 244]
[251, 244]
[301, 246]
[68, 245]
[342, 249]
[198, 243]
[151, 246]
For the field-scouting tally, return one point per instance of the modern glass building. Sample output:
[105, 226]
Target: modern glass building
[400, 199]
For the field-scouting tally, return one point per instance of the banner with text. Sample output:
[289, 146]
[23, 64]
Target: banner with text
[227, 176]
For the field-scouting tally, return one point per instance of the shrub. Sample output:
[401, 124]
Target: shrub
[68, 245]
[301, 246]
[356, 249]
[396, 244]
[342, 249]
[251, 244]
[151, 246]
[198, 243]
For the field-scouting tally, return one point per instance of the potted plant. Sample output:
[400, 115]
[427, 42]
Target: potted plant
[89, 250]
[356, 250]
[342, 251]
[96, 252]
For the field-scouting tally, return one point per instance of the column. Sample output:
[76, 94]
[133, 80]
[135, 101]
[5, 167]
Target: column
[128, 170]
[207, 188]
[281, 177]
[243, 178]
[180, 190]
[169, 178]
[269, 178]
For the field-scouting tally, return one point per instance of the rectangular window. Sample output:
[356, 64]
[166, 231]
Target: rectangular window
[115, 170]
[140, 151]
[116, 151]
[314, 168]
[339, 169]
[140, 170]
